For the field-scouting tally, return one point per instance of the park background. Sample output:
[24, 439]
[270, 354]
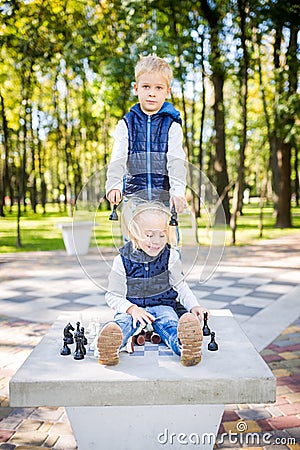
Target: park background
[66, 78]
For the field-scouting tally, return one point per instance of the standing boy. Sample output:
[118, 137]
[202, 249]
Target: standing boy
[147, 158]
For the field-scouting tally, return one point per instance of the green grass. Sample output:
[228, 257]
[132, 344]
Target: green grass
[39, 233]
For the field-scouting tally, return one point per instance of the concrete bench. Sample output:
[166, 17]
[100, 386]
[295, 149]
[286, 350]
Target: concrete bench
[148, 400]
[76, 236]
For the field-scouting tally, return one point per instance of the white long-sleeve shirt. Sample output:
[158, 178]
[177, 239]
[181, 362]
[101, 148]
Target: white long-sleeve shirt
[176, 160]
[117, 287]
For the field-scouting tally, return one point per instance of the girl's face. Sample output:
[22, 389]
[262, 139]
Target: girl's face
[153, 229]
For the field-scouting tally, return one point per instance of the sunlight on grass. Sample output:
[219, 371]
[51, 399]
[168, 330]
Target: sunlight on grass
[39, 233]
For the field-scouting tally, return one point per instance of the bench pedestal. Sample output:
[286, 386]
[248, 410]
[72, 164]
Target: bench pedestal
[146, 427]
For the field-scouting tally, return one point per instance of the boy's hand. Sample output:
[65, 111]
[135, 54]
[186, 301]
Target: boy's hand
[179, 203]
[199, 312]
[140, 315]
[114, 196]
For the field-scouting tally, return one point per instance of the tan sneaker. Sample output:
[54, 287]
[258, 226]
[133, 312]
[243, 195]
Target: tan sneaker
[190, 336]
[109, 340]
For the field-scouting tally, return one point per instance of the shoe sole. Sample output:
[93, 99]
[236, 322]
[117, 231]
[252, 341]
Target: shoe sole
[109, 341]
[191, 336]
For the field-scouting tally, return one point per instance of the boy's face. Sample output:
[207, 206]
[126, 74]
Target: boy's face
[152, 232]
[152, 90]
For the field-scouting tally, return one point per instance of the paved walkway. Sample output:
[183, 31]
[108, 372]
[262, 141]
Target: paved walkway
[259, 284]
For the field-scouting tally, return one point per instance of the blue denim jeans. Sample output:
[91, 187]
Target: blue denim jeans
[165, 324]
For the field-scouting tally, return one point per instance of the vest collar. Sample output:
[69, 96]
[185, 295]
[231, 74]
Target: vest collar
[138, 255]
[167, 109]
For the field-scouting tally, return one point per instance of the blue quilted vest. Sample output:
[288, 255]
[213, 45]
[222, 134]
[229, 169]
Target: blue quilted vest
[148, 277]
[147, 175]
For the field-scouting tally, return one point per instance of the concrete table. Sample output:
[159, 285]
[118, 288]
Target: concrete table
[146, 401]
[76, 236]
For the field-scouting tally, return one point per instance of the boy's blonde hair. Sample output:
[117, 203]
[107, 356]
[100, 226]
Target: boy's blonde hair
[132, 211]
[153, 63]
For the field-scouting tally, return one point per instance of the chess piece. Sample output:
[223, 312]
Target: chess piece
[84, 339]
[148, 335]
[173, 221]
[155, 338]
[79, 350]
[67, 333]
[65, 350]
[205, 329]
[114, 215]
[140, 339]
[212, 346]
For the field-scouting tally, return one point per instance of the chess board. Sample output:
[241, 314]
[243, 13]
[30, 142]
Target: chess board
[143, 350]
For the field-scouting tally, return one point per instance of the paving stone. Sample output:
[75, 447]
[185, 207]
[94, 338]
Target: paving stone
[293, 397]
[61, 428]
[249, 425]
[294, 446]
[280, 401]
[29, 425]
[47, 414]
[281, 390]
[51, 440]
[230, 416]
[10, 423]
[66, 442]
[289, 409]
[33, 438]
[46, 426]
[5, 435]
[280, 423]
[255, 414]
[295, 433]
[278, 447]
[25, 447]
[5, 412]
[274, 411]
[264, 425]
[281, 373]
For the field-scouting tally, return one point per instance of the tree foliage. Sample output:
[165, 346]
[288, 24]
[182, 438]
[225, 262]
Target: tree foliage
[66, 74]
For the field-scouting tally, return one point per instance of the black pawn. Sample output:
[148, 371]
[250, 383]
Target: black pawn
[114, 215]
[84, 339]
[65, 350]
[79, 353]
[212, 346]
[173, 221]
[205, 329]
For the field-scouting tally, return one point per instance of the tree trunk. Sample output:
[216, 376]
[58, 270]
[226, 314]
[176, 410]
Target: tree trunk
[238, 191]
[4, 179]
[213, 18]
[283, 219]
[200, 154]
[220, 157]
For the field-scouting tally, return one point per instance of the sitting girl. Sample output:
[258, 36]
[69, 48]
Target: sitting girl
[145, 285]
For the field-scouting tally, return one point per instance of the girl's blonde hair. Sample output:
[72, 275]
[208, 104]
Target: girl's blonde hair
[153, 63]
[134, 209]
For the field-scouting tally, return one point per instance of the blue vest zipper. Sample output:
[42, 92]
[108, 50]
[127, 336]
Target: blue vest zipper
[148, 160]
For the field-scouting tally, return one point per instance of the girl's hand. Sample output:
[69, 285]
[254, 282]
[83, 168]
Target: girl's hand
[114, 196]
[199, 311]
[140, 315]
